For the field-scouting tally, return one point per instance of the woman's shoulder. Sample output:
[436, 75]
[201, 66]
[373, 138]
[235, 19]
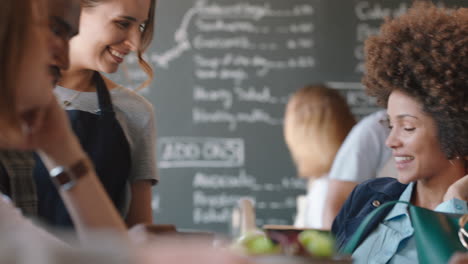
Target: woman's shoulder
[364, 196]
[133, 110]
[124, 97]
[363, 200]
[385, 185]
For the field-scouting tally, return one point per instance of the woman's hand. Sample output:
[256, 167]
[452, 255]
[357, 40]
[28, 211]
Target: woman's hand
[55, 138]
[458, 189]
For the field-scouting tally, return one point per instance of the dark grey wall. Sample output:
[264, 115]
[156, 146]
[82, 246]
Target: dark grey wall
[223, 72]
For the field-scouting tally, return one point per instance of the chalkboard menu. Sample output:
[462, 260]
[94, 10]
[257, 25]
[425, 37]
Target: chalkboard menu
[224, 70]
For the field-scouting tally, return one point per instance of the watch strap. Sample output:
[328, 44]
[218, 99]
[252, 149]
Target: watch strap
[65, 177]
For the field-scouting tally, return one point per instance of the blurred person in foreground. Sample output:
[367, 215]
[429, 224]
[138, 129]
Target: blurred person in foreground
[31, 119]
[16, 166]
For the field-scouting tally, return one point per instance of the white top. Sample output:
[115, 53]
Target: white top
[363, 153]
[310, 208]
[136, 117]
[12, 219]
[23, 242]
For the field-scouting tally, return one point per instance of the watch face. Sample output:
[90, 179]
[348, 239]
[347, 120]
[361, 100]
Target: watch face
[64, 181]
[60, 176]
[63, 178]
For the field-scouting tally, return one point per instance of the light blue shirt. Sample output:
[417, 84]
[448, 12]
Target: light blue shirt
[392, 241]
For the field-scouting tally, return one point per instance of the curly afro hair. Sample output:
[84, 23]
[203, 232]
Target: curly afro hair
[424, 53]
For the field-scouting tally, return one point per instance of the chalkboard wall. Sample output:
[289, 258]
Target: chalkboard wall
[224, 70]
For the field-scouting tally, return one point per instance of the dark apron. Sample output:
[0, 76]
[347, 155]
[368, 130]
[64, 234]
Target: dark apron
[103, 139]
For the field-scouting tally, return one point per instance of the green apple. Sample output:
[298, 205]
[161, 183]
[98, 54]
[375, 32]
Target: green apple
[258, 244]
[317, 243]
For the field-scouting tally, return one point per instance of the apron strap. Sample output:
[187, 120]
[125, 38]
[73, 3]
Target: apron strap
[104, 98]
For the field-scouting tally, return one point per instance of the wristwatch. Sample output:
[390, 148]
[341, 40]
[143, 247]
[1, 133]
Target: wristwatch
[65, 177]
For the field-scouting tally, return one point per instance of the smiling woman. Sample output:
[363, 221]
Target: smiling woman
[416, 146]
[417, 68]
[115, 125]
[125, 26]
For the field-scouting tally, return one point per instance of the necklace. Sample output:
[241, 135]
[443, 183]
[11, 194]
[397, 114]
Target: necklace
[69, 101]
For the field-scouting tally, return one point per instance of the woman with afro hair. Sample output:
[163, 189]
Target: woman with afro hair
[417, 67]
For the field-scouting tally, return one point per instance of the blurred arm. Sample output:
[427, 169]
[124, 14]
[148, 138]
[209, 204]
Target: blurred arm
[140, 206]
[338, 192]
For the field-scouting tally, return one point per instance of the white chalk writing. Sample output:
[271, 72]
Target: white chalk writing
[253, 94]
[200, 152]
[215, 181]
[222, 95]
[252, 11]
[221, 200]
[375, 11]
[240, 42]
[202, 116]
[220, 25]
[211, 17]
[211, 215]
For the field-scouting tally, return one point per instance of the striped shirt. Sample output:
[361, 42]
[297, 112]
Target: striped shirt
[16, 180]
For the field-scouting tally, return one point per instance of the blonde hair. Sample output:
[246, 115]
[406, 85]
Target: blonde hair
[146, 38]
[317, 121]
[17, 17]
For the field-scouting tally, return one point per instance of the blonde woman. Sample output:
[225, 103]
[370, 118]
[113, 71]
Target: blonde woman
[316, 123]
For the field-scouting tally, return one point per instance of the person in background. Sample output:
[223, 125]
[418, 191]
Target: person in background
[416, 68]
[114, 124]
[31, 119]
[16, 167]
[362, 156]
[317, 121]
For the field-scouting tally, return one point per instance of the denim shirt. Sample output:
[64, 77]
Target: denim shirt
[364, 199]
[393, 241]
